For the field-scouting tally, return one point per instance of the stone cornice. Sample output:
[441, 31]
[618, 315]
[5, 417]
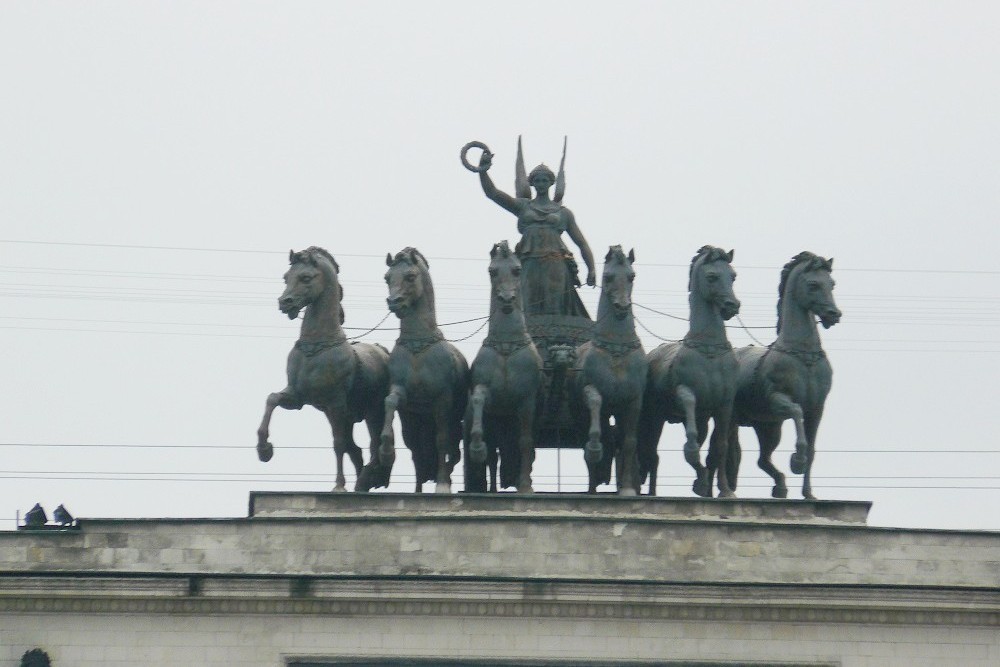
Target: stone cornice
[334, 597]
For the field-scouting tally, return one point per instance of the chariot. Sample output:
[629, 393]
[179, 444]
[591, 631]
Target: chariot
[548, 375]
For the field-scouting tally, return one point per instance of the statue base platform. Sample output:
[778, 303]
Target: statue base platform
[495, 580]
[548, 506]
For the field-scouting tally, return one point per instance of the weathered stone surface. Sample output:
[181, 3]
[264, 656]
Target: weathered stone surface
[398, 505]
[558, 537]
[512, 577]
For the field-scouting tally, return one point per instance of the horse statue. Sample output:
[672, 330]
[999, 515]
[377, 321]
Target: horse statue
[790, 378]
[429, 377]
[694, 380]
[506, 380]
[347, 381]
[611, 377]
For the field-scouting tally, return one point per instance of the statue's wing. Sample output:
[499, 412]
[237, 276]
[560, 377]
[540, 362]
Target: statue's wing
[521, 188]
[561, 176]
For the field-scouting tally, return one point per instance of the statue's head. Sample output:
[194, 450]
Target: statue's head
[36, 657]
[311, 273]
[711, 278]
[505, 278]
[541, 177]
[409, 282]
[807, 281]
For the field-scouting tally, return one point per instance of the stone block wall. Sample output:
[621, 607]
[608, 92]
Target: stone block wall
[321, 578]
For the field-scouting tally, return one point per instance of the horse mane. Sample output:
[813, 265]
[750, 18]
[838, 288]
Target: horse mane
[706, 253]
[616, 254]
[312, 255]
[811, 262]
[309, 255]
[410, 255]
[501, 248]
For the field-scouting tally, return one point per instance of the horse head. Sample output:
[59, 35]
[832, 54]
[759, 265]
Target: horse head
[505, 277]
[409, 282]
[806, 281]
[711, 278]
[616, 283]
[313, 272]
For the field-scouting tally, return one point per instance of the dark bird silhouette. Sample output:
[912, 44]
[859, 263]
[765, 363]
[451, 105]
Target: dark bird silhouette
[36, 517]
[62, 516]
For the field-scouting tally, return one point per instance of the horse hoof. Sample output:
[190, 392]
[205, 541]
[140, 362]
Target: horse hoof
[387, 456]
[340, 488]
[442, 487]
[265, 451]
[525, 489]
[593, 452]
[779, 492]
[727, 494]
[808, 495]
[701, 489]
[477, 452]
[627, 491]
[798, 463]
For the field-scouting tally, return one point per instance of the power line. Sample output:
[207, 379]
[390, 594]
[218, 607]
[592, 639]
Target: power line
[477, 259]
[403, 449]
[279, 480]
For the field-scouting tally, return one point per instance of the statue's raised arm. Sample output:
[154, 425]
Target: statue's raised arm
[548, 268]
[489, 188]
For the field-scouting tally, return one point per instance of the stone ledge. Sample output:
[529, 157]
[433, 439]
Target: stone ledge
[266, 504]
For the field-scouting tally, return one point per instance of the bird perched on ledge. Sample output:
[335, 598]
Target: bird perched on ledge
[36, 517]
[62, 516]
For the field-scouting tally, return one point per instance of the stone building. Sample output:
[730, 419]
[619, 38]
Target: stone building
[322, 580]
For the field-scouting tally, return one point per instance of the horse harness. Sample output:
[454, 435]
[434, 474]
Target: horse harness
[506, 347]
[310, 348]
[418, 345]
[707, 348]
[617, 349]
[808, 357]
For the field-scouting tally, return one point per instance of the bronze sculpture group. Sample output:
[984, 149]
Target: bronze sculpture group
[547, 375]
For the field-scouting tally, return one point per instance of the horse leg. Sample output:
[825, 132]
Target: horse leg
[720, 445]
[285, 399]
[735, 453]
[650, 430]
[492, 461]
[692, 446]
[414, 430]
[477, 448]
[783, 406]
[628, 426]
[812, 426]
[593, 451]
[387, 441]
[688, 401]
[704, 475]
[442, 429]
[376, 473]
[343, 442]
[526, 443]
[769, 435]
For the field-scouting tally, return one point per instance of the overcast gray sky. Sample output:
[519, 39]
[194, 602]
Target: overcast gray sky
[211, 137]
